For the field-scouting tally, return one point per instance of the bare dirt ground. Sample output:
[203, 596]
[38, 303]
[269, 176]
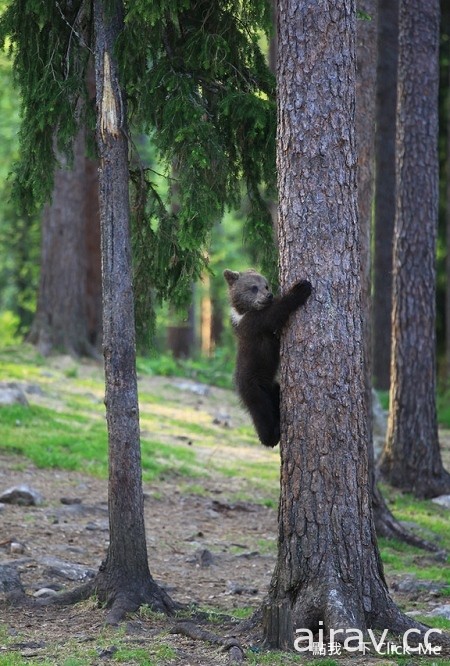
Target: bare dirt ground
[205, 549]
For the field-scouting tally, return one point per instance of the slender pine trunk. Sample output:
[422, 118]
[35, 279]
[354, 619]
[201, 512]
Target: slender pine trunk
[124, 580]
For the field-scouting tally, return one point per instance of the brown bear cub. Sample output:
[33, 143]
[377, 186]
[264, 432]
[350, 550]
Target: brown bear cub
[258, 318]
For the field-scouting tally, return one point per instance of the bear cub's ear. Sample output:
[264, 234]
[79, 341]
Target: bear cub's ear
[230, 276]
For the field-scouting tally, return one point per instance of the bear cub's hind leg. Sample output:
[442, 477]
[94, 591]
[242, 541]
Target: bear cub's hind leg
[264, 407]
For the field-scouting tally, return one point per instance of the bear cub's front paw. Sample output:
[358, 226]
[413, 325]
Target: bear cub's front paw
[302, 289]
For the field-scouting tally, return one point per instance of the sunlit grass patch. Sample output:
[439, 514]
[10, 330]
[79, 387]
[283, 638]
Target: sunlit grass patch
[433, 523]
[76, 441]
[53, 439]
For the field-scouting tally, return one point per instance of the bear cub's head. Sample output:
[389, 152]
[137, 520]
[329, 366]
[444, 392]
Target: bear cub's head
[248, 290]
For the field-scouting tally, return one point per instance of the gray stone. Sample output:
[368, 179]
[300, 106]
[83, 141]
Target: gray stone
[22, 495]
[67, 570]
[411, 585]
[17, 548]
[70, 500]
[442, 500]
[193, 387]
[10, 582]
[44, 592]
[99, 526]
[202, 557]
[237, 588]
[33, 389]
[442, 611]
[12, 394]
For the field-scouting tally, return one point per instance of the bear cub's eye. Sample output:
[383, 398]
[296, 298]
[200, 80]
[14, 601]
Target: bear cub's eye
[255, 289]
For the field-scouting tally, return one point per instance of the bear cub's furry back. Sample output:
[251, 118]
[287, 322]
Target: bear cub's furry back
[257, 319]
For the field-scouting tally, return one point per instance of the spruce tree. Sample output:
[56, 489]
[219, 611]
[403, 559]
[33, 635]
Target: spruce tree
[196, 81]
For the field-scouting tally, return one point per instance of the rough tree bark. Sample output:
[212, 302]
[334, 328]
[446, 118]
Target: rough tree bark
[385, 523]
[411, 458]
[328, 565]
[447, 263]
[386, 114]
[124, 579]
[70, 269]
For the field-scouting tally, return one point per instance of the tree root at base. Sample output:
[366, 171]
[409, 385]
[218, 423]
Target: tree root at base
[230, 645]
[387, 526]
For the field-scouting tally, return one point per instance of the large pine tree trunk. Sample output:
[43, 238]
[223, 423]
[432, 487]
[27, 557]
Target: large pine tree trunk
[386, 524]
[328, 565]
[124, 579]
[411, 457]
[386, 113]
[68, 267]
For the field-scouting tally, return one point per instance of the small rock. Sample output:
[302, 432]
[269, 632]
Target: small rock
[442, 611]
[70, 500]
[203, 557]
[34, 389]
[10, 582]
[106, 653]
[99, 526]
[12, 394]
[67, 570]
[411, 585]
[28, 645]
[442, 500]
[250, 555]
[44, 592]
[193, 387]
[222, 419]
[237, 588]
[22, 495]
[17, 548]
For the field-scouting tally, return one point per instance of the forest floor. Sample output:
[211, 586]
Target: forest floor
[211, 537]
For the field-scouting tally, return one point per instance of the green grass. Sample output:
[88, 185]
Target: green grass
[433, 522]
[443, 407]
[216, 371]
[75, 441]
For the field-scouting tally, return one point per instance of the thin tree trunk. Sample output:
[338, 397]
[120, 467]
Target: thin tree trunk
[411, 458]
[447, 264]
[386, 113]
[328, 567]
[124, 579]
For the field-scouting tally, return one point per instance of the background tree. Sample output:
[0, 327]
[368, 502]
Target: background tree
[386, 112]
[447, 266]
[68, 309]
[69, 301]
[19, 234]
[411, 457]
[366, 77]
